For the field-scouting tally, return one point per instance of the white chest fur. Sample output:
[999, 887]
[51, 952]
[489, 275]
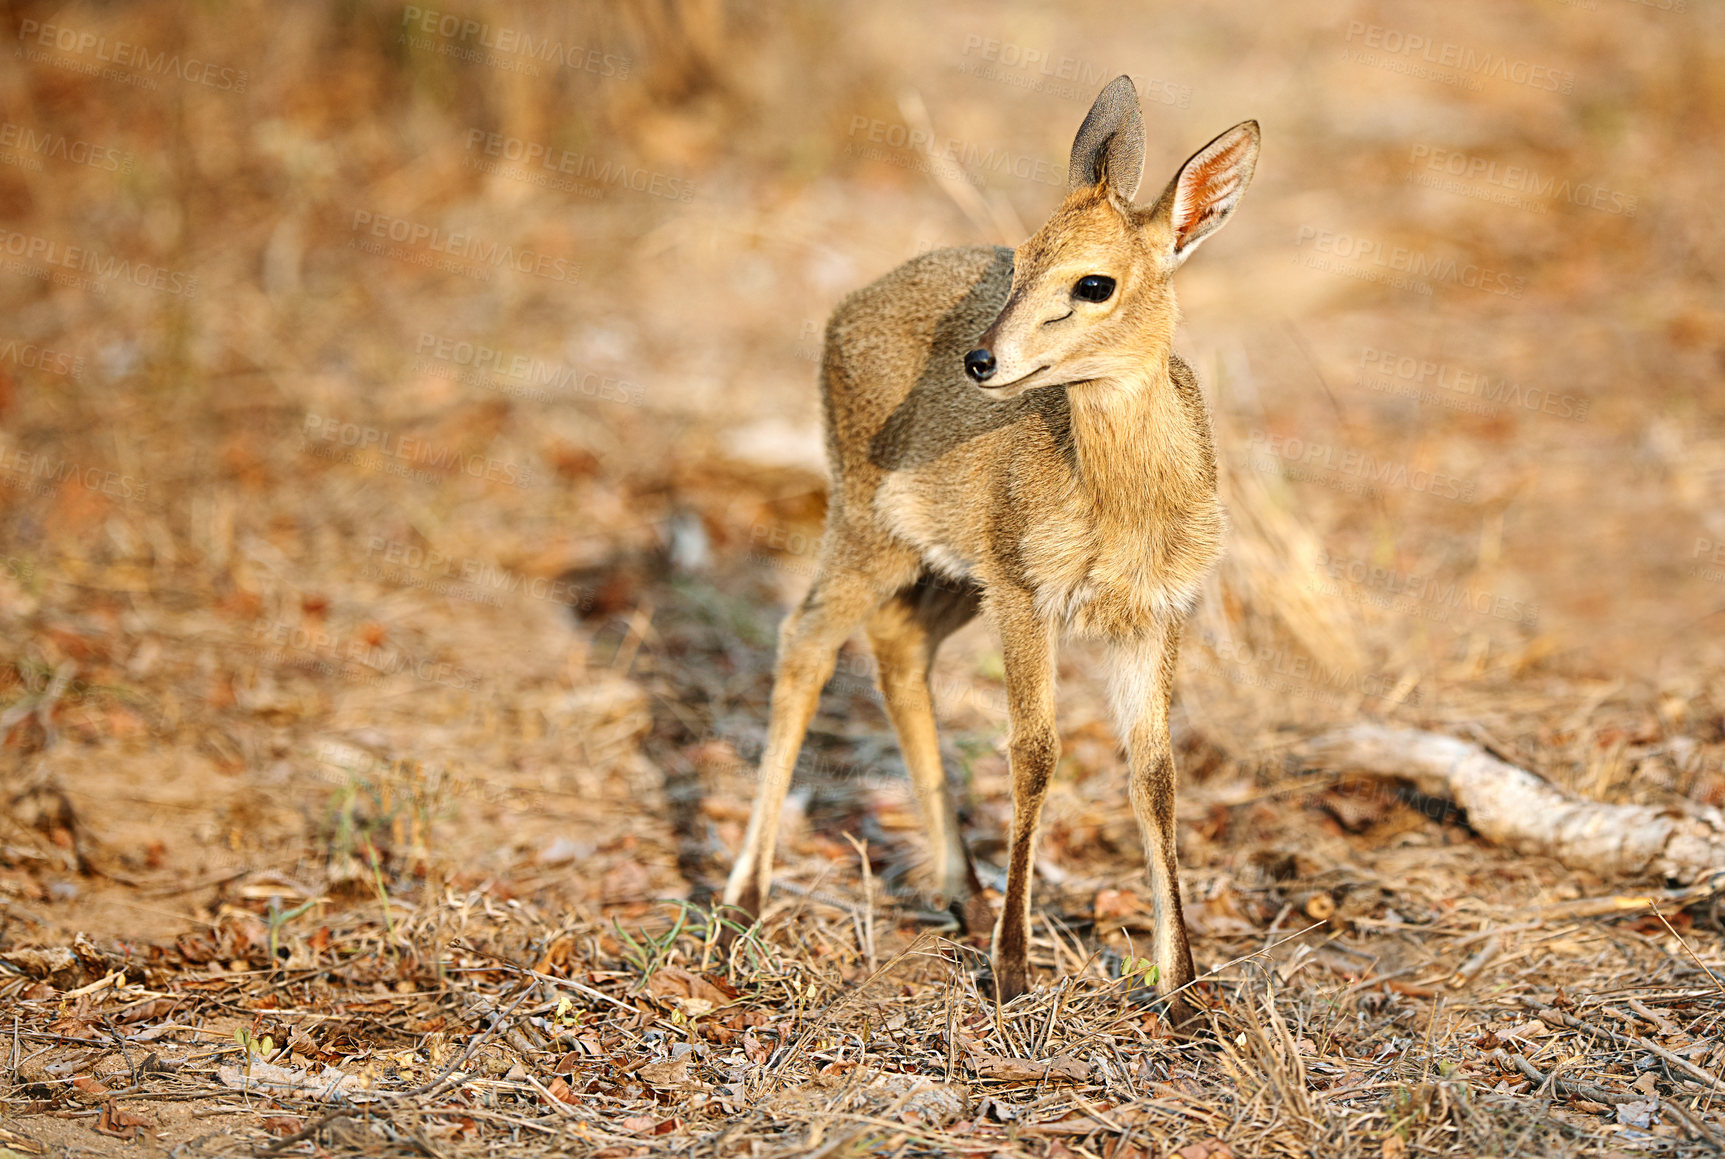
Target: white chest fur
[1113, 578]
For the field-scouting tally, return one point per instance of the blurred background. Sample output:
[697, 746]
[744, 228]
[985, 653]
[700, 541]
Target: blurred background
[409, 436]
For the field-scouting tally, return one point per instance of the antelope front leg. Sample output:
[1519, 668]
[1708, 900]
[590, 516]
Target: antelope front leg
[1140, 688]
[1027, 646]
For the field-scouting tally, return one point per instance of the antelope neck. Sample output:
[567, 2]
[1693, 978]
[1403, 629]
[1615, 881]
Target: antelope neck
[1135, 445]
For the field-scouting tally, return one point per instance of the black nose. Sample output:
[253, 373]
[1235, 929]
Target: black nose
[979, 364]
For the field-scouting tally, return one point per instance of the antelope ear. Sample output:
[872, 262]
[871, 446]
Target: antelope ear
[1109, 148]
[1207, 188]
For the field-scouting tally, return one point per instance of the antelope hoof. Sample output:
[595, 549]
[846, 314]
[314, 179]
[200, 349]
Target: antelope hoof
[975, 916]
[1010, 980]
[741, 913]
[1180, 1015]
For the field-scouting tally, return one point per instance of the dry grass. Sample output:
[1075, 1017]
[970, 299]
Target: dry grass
[419, 761]
[465, 1026]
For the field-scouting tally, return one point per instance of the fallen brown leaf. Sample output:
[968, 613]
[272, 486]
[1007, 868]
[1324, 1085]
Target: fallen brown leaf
[669, 1073]
[23, 1144]
[120, 1124]
[1114, 904]
[1206, 1149]
[1071, 1125]
[1026, 1070]
[673, 982]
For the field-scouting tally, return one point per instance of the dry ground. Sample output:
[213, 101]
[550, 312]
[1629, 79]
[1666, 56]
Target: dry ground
[378, 714]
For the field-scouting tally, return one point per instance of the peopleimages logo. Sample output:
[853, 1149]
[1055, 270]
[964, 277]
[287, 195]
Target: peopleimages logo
[1370, 255]
[514, 42]
[1707, 561]
[1306, 457]
[478, 580]
[1296, 674]
[1034, 59]
[36, 357]
[531, 377]
[31, 248]
[138, 57]
[407, 451]
[463, 246]
[1418, 50]
[1518, 179]
[330, 652]
[1379, 367]
[897, 135]
[542, 162]
[46, 473]
[59, 147]
[1444, 595]
[1045, 71]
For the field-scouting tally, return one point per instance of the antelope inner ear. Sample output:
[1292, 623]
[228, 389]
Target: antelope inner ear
[1109, 148]
[1208, 187]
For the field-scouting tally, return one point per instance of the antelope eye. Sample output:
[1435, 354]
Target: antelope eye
[1093, 288]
